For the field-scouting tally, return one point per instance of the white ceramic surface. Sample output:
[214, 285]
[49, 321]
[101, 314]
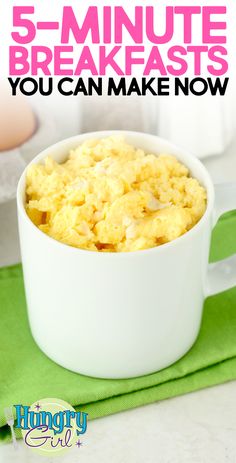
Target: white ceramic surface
[127, 314]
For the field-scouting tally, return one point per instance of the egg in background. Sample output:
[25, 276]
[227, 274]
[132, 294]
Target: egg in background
[17, 120]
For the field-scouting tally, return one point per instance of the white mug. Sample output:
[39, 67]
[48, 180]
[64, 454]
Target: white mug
[121, 315]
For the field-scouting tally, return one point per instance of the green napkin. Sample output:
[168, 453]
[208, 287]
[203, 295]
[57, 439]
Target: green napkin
[27, 375]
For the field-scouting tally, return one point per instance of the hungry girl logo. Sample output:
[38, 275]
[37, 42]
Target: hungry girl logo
[50, 426]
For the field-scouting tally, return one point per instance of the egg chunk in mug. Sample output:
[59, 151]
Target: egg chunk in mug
[112, 197]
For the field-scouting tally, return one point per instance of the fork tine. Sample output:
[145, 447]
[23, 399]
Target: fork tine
[8, 412]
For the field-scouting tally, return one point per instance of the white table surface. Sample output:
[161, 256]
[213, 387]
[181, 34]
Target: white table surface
[195, 428]
[198, 427]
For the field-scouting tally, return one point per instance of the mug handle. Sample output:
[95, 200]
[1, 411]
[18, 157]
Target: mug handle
[222, 275]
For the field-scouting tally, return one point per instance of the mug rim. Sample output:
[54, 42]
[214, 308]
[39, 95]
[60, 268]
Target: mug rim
[106, 133]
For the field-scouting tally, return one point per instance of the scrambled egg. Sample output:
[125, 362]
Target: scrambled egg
[111, 197]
